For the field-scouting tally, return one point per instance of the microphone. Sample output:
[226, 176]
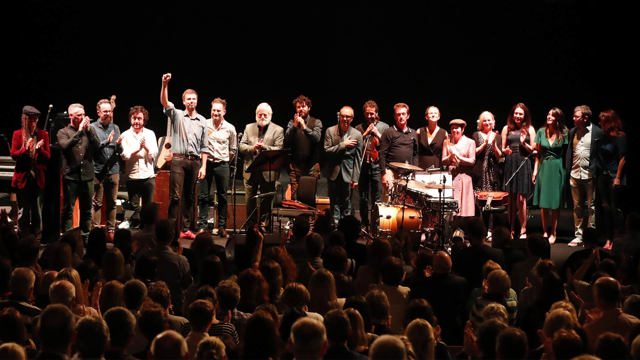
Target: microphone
[264, 195]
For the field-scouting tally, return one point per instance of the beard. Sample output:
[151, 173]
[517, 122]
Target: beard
[263, 122]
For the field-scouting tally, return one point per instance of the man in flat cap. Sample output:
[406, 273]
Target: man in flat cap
[30, 150]
[459, 155]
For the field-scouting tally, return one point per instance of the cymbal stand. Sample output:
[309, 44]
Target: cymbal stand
[441, 223]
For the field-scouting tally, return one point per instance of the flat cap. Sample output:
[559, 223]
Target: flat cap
[458, 122]
[30, 111]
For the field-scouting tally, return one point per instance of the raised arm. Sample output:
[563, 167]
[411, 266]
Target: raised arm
[164, 90]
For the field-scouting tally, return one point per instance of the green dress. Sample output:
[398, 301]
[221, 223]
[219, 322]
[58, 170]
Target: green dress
[550, 181]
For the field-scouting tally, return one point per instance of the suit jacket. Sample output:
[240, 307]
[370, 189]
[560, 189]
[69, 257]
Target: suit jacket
[273, 140]
[339, 158]
[596, 135]
[24, 163]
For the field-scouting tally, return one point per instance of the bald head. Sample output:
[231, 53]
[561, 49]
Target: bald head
[62, 292]
[169, 344]
[442, 262]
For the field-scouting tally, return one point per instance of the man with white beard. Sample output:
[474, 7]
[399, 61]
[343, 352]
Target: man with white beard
[263, 135]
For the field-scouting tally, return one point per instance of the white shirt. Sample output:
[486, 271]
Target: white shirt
[140, 164]
[223, 143]
[581, 154]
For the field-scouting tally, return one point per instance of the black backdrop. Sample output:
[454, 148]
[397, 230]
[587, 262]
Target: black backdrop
[464, 57]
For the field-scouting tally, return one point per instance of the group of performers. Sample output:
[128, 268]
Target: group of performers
[374, 158]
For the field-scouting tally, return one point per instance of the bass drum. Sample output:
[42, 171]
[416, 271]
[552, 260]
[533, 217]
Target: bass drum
[392, 218]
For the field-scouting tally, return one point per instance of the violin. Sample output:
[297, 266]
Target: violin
[372, 147]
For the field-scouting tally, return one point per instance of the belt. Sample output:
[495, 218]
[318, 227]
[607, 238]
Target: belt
[186, 156]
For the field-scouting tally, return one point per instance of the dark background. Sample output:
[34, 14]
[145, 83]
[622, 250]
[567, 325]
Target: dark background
[464, 57]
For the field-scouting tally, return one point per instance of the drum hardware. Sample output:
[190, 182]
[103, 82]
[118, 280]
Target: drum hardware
[404, 166]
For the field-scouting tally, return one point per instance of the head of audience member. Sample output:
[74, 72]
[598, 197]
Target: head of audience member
[537, 246]
[96, 245]
[322, 291]
[335, 259]
[159, 292]
[62, 292]
[610, 345]
[122, 327]
[338, 327]
[476, 231]
[151, 319]
[254, 289]
[14, 327]
[392, 271]
[359, 303]
[566, 344]
[92, 335]
[442, 263]
[123, 241]
[134, 293]
[379, 307]
[200, 314]
[22, 284]
[487, 335]
[607, 293]
[12, 351]
[501, 237]
[113, 265]
[497, 282]
[203, 245]
[228, 293]
[272, 273]
[512, 343]
[73, 276]
[494, 310]
[422, 338]
[261, 338]
[211, 270]
[112, 295]
[211, 348]
[169, 345]
[5, 276]
[357, 340]
[146, 268]
[148, 215]
[56, 329]
[165, 232]
[314, 245]
[386, 347]
[263, 114]
[308, 339]
[300, 228]
[287, 264]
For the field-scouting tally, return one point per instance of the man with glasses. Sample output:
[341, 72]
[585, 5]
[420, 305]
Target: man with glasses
[343, 148]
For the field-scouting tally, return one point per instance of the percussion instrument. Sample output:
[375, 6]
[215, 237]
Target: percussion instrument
[393, 218]
[436, 183]
[444, 204]
[403, 166]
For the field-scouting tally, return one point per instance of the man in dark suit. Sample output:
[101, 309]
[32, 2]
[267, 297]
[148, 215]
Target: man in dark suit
[343, 148]
[263, 135]
[580, 164]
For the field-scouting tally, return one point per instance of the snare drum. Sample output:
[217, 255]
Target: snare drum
[444, 204]
[391, 218]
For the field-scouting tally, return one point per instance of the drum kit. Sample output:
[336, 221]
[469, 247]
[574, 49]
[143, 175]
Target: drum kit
[419, 202]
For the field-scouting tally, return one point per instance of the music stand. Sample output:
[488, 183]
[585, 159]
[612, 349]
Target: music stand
[267, 160]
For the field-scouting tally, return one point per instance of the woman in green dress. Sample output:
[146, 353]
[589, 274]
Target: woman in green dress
[548, 172]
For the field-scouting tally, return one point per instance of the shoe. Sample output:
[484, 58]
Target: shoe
[110, 235]
[575, 242]
[222, 232]
[523, 236]
[552, 239]
[124, 225]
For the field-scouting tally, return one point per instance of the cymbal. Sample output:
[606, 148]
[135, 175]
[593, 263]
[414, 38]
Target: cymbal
[438, 186]
[404, 166]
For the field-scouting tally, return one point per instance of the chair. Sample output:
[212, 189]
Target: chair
[307, 187]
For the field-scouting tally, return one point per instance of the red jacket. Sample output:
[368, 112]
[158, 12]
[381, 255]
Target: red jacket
[24, 163]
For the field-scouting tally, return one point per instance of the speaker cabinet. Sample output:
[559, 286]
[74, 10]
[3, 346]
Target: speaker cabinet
[161, 193]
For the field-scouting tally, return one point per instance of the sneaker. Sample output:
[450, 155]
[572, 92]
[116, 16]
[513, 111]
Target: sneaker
[222, 232]
[575, 242]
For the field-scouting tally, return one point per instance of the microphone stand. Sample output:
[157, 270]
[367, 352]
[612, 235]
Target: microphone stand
[519, 167]
[233, 185]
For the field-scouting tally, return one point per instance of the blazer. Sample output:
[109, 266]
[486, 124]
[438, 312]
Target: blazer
[273, 140]
[596, 135]
[24, 163]
[341, 160]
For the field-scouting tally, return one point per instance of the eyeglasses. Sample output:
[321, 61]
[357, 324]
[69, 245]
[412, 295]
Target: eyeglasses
[345, 116]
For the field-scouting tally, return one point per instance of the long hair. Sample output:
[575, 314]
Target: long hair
[527, 116]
